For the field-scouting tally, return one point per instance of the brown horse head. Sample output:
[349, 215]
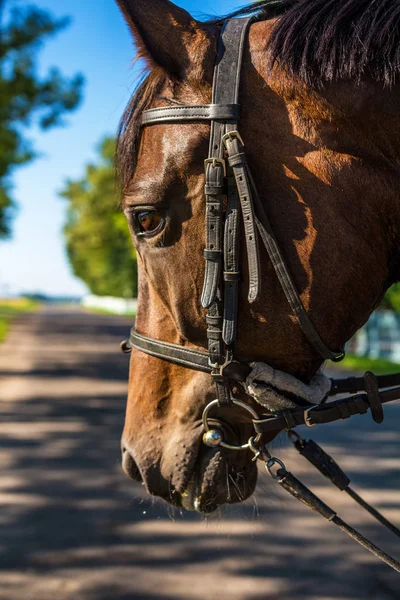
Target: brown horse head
[323, 146]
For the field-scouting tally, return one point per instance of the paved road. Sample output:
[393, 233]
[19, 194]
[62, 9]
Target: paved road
[72, 526]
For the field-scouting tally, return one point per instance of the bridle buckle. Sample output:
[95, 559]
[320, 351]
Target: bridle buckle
[218, 370]
[215, 162]
[307, 416]
[231, 135]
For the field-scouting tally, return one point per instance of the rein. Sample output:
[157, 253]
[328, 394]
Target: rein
[227, 175]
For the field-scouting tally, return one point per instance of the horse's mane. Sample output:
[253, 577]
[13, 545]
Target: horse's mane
[316, 40]
[327, 40]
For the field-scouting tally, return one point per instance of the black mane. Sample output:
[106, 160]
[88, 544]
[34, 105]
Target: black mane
[327, 40]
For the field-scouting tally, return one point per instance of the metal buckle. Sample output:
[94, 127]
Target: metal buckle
[231, 135]
[219, 369]
[214, 162]
[307, 417]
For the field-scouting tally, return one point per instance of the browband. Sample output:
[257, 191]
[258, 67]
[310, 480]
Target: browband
[201, 112]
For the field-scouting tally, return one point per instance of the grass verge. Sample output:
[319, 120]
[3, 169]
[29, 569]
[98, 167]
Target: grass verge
[104, 311]
[379, 366]
[9, 308]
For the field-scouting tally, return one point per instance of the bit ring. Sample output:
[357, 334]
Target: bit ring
[240, 404]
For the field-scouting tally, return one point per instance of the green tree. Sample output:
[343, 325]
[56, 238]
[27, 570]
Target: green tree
[392, 298]
[99, 244]
[25, 97]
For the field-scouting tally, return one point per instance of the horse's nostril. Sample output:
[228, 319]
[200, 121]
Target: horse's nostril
[129, 466]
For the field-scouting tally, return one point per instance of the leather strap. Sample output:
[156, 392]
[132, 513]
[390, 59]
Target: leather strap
[220, 292]
[280, 267]
[197, 360]
[185, 357]
[302, 493]
[201, 112]
[225, 92]
[226, 87]
[332, 471]
[231, 264]
[374, 399]
[352, 385]
[238, 162]
[325, 413]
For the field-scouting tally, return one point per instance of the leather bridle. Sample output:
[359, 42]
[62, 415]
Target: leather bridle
[227, 175]
[230, 191]
[231, 199]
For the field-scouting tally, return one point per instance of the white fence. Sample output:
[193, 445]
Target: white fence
[119, 306]
[379, 338]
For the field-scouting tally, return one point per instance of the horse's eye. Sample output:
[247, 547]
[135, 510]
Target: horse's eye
[148, 222]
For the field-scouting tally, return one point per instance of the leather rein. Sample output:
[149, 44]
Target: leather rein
[231, 198]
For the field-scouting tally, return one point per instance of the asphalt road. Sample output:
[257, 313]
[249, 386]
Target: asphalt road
[73, 527]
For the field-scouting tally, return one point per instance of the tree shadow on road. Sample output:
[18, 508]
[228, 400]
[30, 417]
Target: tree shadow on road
[69, 513]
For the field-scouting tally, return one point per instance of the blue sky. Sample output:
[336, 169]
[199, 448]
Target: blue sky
[98, 44]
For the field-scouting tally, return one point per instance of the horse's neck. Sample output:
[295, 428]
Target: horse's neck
[372, 118]
[343, 141]
[327, 166]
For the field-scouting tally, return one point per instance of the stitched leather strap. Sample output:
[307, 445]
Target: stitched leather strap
[325, 413]
[231, 264]
[225, 92]
[202, 112]
[374, 399]
[352, 385]
[197, 360]
[286, 281]
[185, 357]
[226, 87]
[220, 291]
[302, 493]
[238, 162]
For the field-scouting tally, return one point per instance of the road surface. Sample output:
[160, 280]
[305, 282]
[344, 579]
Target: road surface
[73, 527]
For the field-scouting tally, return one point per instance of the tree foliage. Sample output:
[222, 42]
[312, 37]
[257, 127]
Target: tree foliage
[25, 97]
[392, 298]
[99, 244]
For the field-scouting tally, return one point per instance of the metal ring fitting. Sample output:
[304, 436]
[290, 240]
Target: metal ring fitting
[274, 461]
[240, 404]
[307, 416]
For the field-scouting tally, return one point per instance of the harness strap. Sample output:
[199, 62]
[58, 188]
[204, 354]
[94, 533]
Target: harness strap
[231, 264]
[374, 399]
[238, 162]
[352, 385]
[226, 87]
[325, 413]
[326, 465]
[184, 357]
[201, 112]
[224, 115]
[298, 490]
[251, 201]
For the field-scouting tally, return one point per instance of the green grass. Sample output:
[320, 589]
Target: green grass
[10, 308]
[4, 324]
[379, 366]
